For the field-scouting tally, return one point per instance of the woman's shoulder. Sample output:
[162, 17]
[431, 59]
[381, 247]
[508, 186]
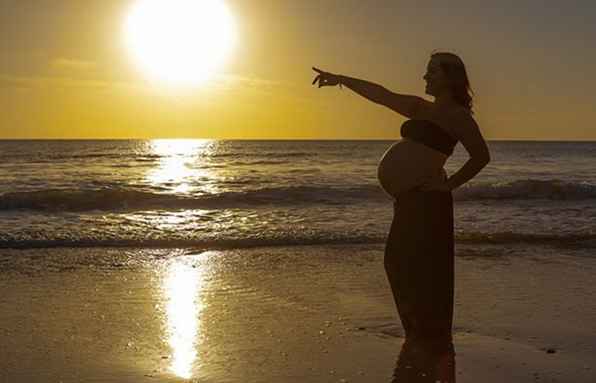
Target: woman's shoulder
[429, 110]
[462, 117]
[451, 118]
[459, 122]
[437, 114]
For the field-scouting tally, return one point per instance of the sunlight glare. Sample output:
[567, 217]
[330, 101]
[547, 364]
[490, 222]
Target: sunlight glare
[182, 286]
[180, 42]
[177, 157]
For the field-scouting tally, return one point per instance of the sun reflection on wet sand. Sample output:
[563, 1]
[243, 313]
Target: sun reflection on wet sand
[182, 288]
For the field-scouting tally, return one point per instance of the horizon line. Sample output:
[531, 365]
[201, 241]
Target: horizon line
[281, 139]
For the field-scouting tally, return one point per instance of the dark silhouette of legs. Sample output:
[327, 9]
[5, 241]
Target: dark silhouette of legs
[421, 362]
[419, 265]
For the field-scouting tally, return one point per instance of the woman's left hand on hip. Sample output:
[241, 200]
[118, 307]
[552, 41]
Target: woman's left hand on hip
[436, 183]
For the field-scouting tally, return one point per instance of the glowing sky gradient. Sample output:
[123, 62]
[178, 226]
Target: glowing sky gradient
[65, 72]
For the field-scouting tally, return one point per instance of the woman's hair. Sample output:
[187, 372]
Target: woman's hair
[455, 70]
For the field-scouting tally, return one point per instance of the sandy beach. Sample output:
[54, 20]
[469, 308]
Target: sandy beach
[282, 314]
[204, 191]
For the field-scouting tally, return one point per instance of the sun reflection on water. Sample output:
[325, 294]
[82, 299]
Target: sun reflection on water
[180, 164]
[182, 288]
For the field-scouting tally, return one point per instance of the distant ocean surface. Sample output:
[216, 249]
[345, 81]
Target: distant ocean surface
[218, 194]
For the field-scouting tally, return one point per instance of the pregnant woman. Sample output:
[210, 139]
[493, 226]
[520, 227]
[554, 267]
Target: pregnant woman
[419, 251]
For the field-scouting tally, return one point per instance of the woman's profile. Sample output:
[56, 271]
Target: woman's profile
[419, 252]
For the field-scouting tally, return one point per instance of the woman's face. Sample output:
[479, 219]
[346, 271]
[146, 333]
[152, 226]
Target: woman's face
[436, 81]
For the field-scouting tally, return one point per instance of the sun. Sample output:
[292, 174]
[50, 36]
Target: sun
[180, 42]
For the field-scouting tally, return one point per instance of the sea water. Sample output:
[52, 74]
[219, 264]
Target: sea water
[221, 194]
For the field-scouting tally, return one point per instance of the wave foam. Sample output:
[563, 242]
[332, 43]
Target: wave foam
[579, 240]
[528, 189]
[118, 199]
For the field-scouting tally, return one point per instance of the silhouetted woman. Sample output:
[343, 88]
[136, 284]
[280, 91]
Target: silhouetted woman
[419, 253]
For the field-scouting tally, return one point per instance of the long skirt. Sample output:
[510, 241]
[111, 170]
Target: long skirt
[419, 262]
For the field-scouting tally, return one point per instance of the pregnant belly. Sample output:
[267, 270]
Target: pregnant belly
[407, 164]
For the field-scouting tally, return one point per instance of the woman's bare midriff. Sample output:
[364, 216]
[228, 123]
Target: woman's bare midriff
[407, 164]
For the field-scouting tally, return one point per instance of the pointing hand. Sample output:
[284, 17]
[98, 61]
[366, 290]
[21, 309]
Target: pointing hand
[325, 78]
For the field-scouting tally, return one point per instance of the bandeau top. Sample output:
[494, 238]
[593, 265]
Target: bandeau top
[430, 134]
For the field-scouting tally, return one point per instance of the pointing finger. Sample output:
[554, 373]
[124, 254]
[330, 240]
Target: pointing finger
[317, 70]
[315, 80]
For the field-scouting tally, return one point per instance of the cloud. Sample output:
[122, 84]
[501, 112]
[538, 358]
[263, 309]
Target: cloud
[231, 83]
[70, 65]
[55, 82]
[82, 76]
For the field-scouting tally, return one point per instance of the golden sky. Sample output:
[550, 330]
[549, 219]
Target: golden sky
[65, 71]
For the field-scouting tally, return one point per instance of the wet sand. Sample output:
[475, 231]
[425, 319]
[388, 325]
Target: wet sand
[295, 314]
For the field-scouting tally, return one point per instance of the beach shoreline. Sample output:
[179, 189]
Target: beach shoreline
[282, 314]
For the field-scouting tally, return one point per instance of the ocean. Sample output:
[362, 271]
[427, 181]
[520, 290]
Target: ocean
[262, 261]
[216, 194]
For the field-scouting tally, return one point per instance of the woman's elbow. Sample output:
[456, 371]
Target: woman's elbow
[481, 160]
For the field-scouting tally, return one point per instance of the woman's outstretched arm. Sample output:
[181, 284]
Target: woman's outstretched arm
[407, 105]
[401, 103]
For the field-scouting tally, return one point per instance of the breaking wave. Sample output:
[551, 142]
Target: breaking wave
[575, 240]
[119, 198]
[528, 189]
